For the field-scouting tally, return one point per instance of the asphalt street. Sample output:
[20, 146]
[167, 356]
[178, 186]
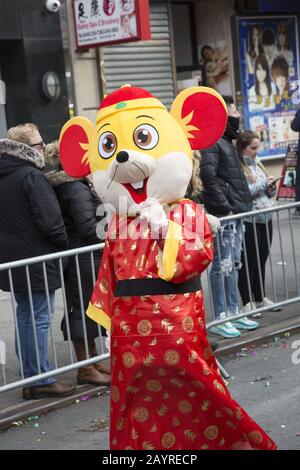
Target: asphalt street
[264, 380]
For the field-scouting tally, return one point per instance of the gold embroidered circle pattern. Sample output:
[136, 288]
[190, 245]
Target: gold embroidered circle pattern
[115, 394]
[185, 406]
[153, 386]
[255, 437]
[168, 440]
[211, 432]
[103, 286]
[187, 324]
[144, 327]
[141, 414]
[171, 357]
[128, 359]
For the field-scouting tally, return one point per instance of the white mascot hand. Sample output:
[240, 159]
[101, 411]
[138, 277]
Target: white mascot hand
[153, 212]
[214, 224]
[107, 341]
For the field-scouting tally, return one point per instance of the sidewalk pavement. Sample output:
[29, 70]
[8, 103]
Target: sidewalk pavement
[287, 319]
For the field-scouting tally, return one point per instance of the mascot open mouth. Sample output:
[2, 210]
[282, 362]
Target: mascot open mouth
[137, 190]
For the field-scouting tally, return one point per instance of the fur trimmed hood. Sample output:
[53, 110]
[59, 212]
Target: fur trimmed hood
[21, 151]
[58, 177]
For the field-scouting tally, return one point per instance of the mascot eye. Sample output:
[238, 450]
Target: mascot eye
[145, 137]
[107, 144]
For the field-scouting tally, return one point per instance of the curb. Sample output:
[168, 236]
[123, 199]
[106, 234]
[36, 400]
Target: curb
[23, 410]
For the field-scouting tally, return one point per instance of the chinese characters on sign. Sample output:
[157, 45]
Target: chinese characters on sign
[101, 22]
[269, 73]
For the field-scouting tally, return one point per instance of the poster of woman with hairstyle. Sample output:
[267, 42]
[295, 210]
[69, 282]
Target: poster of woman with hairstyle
[269, 69]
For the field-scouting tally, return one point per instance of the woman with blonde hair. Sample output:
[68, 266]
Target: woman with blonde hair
[262, 190]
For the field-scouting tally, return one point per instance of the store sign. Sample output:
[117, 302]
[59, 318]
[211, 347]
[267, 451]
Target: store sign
[287, 185]
[103, 22]
[269, 61]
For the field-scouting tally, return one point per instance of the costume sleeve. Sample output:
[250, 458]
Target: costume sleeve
[188, 247]
[99, 308]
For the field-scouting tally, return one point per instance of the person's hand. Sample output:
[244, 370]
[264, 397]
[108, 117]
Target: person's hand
[214, 224]
[153, 212]
[270, 180]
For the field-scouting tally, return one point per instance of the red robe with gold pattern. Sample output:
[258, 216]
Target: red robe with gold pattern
[167, 392]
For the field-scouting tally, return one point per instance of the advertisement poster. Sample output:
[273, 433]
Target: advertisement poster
[287, 183]
[214, 58]
[269, 62]
[101, 22]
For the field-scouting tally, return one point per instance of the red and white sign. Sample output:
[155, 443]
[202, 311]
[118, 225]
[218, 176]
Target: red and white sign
[103, 22]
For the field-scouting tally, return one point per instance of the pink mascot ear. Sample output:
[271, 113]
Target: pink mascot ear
[74, 144]
[202, 113]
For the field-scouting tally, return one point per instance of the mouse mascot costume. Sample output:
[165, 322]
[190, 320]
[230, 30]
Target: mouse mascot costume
[167, 392]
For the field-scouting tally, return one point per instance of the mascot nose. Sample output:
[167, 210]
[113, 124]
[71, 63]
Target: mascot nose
[122, 157]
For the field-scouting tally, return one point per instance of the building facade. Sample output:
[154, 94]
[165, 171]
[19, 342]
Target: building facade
[193, 42]
[30, 48]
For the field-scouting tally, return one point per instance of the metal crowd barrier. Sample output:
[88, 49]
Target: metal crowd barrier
[282, 219]
[73, 364]
[285, 244]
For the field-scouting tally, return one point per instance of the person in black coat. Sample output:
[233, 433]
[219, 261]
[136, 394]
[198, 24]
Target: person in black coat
[31, 225]
[226, 192]
[78, 202]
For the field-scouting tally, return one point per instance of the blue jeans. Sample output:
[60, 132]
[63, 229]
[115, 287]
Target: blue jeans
[225, 266]
[25, 326]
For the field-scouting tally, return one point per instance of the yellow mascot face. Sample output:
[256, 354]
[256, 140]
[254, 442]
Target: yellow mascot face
[139, 150]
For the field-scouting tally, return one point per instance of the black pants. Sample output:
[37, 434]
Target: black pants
[253, 261]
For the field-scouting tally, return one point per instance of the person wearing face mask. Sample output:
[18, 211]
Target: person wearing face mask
[225, 193]
[262, 189]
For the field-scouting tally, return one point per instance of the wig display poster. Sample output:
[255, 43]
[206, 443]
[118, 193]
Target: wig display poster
[269, 61]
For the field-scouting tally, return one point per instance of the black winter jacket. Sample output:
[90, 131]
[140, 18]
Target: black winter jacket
[78, 203]
[31, 223]
[225, 185]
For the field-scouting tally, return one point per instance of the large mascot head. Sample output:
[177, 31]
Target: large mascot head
[138, 149]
